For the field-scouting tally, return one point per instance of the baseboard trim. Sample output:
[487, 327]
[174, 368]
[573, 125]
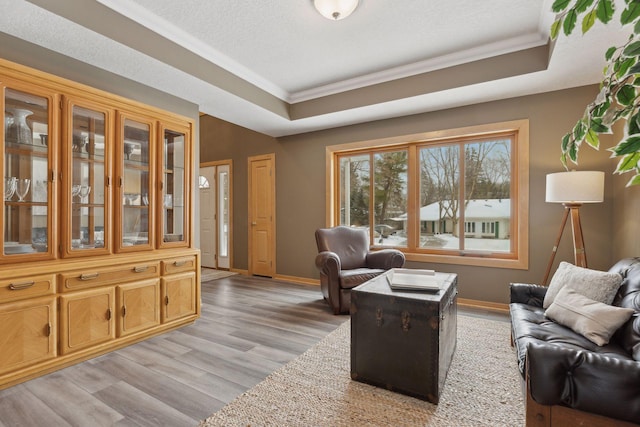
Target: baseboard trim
[484, 305]
[296, 279]
[495, 307]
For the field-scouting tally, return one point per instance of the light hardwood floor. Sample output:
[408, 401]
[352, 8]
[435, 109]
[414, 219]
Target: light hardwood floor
[250, 326]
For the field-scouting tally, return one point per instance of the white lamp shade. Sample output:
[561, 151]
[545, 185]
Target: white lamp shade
[335, 9]
[575, 187]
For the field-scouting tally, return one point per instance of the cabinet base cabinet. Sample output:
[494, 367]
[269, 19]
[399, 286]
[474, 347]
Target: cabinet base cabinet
[27, 333]
[51, 326]
[139, 305]
[178, 296]
[87, 318]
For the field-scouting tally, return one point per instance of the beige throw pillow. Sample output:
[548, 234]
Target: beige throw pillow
[599, 286]
[592, 319]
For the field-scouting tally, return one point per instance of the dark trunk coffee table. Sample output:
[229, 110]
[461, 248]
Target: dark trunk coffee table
[404, 340]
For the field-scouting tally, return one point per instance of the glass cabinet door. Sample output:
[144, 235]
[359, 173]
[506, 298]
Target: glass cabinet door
[135, 220]
[175, 197]
[85, 191]
[28, 196]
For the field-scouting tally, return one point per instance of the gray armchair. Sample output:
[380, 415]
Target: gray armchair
[345, 261]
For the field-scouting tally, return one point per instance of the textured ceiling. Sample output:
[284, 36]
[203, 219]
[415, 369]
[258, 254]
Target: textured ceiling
[278, 67]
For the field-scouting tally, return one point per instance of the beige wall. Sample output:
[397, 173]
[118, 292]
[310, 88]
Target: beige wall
[300, 186]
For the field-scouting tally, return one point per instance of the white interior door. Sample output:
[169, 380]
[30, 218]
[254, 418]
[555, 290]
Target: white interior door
[207, 189]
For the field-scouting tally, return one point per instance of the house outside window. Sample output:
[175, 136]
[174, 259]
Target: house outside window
[454, 196]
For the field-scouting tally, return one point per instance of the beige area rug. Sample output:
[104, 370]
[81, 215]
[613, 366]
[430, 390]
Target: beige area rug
[207, 274]
[482, 388]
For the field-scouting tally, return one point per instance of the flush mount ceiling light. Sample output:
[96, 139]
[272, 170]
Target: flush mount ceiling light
[335, 9]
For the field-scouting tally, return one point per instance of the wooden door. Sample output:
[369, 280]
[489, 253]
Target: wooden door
[262, 215]
[179, 296]
[87, 319]
[139, 305]
[207, 192]
[28, 334]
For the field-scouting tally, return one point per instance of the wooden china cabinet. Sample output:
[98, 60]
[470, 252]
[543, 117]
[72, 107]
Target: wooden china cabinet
[97, 251]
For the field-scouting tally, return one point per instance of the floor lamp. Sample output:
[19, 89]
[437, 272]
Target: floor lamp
[572, 189]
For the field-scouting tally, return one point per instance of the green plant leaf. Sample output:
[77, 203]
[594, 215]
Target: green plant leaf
[555, 29]
[565, 142]
[610, 53]
[635, 70]
[627, 146]
[598, 127]
[569, 22]
[573, 153]
[628, 162]
[563, 160]
[621, 67]
[634, 181]
[592, 139]
[631, 13]
[626, 95]
[579, 130]
[636, 28]
[604, 11]
[560, 5]
[632, 50]
[601, 109]
[582, 5]
[588, 21]
[633, 125]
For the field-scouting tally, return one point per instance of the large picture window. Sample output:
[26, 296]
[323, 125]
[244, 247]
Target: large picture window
[456, 196]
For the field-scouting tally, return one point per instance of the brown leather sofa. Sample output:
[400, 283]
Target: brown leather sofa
[345, 261]
[570, 380]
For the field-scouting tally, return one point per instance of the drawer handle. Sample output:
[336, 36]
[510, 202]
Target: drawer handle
[141, 269]
[89, 276]
[109, 313]
[47, 330]
[179, 263]
[19, 286]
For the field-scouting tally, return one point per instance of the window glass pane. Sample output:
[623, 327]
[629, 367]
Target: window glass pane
[390, 198]
[354, 190]
[488, 196]
[439, 197]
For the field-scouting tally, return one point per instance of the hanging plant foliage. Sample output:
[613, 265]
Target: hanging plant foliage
[619, 97]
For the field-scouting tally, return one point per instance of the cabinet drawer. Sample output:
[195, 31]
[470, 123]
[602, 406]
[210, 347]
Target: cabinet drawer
[27, 287]
[178, 265]
[93, 277]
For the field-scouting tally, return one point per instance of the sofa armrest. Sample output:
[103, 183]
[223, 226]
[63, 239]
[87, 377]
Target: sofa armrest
[589, 381]
[385, 259]
[526, 293]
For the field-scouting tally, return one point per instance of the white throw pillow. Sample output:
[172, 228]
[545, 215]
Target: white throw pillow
[599, 286]
[592, 319]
